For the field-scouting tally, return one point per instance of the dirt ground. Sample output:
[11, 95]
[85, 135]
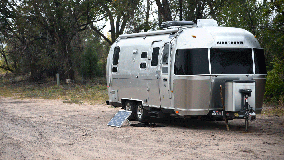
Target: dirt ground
[50, 129]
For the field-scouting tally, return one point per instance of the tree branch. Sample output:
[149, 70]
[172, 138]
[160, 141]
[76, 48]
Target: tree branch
[102, 35]
[111, 22]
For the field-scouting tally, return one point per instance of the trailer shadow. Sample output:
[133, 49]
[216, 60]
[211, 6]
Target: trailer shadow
[234, 125]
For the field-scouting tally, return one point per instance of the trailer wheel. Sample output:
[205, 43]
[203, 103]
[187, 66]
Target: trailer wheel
[130, 106]
[142, 114]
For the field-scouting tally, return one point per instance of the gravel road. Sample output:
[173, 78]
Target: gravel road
[50, 129]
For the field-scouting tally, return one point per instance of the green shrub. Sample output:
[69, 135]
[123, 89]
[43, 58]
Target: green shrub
[89, 66]
[275, 83]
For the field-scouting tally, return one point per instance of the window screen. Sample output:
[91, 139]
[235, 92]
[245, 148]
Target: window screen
[259, 60]
[144, 55]
[191, 61]
[231, 61]
[116, 55]
[166, 54]
[155, 55]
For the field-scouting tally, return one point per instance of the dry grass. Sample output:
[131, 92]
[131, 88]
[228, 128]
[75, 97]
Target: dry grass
[272, 109]
[90, 93]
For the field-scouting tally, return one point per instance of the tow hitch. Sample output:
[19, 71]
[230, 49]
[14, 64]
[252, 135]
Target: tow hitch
[249, 112]
[230, 111]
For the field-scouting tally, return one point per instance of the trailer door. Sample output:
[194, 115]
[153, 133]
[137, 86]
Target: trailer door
[165, 76]
[154, 74]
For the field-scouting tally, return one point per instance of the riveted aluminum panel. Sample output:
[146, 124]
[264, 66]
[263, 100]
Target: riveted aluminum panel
[192, 95]
[233, 97]
[259, 92]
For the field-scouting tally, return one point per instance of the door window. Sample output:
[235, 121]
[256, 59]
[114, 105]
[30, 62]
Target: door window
[155, 56]
[166, 54]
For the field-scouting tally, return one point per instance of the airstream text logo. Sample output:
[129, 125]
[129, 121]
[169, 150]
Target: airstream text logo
[230, 42]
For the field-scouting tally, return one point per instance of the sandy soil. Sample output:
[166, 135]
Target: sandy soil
[50, 129]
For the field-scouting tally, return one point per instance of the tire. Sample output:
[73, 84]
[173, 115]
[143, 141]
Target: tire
[142, 114]
[130, 106]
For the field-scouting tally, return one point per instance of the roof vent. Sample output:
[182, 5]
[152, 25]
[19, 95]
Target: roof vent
[206, 22]
[176, 23]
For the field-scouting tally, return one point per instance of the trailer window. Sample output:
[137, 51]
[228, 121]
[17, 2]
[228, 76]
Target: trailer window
[164, 70]
[155, 55]
[166, 54]
[231, 61]
[191, 61]
[114, 69]
[259, 60]
[116, 55]
[144, 55]
[142, 65]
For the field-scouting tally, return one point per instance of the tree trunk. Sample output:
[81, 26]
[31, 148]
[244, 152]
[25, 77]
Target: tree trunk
[163, 11]
[180, 10]
[147, 27]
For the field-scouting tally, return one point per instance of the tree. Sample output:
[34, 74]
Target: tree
[40, 35]
[188, 10]
[118, 13]
[62, 21]
[7, 13]
[143, 19]
[275, 82]
[46, 37]
[164, 12]
[273, 42]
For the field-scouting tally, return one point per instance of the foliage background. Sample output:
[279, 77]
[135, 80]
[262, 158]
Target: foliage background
[40, 38]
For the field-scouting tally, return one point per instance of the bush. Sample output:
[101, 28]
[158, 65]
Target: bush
[275, 83]
[89, 67]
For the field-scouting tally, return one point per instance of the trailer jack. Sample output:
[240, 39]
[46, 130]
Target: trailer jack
[248, 110]
[227, 124]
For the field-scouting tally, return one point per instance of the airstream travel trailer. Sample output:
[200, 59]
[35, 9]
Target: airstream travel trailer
[190, 70]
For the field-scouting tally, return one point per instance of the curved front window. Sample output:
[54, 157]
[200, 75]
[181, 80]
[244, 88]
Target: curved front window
[231, 61]
[259, 59]
[200, 61]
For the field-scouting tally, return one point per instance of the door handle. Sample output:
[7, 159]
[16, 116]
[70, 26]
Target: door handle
[165, 79]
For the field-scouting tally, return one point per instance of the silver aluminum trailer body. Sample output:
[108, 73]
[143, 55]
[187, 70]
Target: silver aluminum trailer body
[182, 69]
